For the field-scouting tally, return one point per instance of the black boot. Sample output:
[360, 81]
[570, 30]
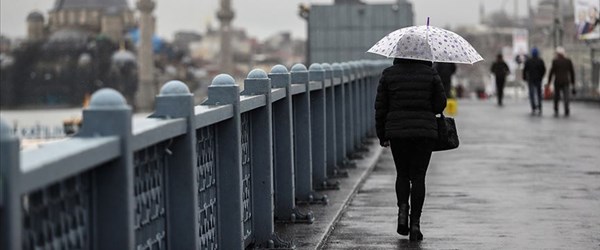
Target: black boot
[415, 229]
[403, 219]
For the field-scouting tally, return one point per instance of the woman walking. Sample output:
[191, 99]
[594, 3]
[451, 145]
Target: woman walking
[409, 95]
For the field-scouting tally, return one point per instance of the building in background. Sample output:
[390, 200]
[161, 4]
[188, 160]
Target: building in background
[69, 53]
[347, 29]
[549, 23]
[108, 17]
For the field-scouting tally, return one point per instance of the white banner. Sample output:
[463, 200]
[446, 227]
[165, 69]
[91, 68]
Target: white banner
[520, 48]
[587, 19]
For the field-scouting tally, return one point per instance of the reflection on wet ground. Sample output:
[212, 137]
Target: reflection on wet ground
[516, 182]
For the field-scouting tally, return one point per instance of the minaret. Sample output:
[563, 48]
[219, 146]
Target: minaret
[481, 13]
[516, 10]
[225, 15]
[112, 24]
[146, 87]
[35, 26]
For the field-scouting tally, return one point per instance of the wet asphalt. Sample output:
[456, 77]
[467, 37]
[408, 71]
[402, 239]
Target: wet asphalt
[516, 182]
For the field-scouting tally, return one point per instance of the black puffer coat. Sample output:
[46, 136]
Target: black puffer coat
[534, 70]
[409, 95]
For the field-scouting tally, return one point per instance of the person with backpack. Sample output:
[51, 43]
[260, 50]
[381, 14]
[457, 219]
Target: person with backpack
[533, 73]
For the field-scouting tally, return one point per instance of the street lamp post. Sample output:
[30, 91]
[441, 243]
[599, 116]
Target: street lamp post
[304, 13]
[558, 22]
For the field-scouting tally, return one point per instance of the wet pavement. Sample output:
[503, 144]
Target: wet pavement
[516, 182]
[311, 236]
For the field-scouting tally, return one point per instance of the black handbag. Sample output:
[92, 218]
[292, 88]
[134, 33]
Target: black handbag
[447, 135]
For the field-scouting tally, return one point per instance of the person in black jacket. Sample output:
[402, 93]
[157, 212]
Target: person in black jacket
[533, 73]
[500, 70]
[409, 95]
[564, 75]
[446, 70]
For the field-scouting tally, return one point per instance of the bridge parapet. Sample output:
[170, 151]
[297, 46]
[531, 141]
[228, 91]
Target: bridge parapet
[212, 176]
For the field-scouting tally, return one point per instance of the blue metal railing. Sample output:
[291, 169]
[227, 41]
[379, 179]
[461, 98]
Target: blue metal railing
[209, 176]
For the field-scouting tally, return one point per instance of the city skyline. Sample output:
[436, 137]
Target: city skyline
[199, 13]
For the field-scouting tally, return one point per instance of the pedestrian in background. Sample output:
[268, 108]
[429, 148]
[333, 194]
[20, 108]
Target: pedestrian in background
[500, 70]
[564, 75]
[533, 73]
[446, 70]
[409, 95]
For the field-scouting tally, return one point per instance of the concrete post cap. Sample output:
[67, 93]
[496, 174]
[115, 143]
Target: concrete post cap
[337, 70]
[316, 72]
[223, 80]
[298, 68]
[315, 67]
[345, 66]
[299, 74]
[257, 74]
[336, 66]
[107, 98]
[279, 69]
[326, 67]
[174, 88]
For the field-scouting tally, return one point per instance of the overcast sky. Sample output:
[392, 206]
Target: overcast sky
[261, 18]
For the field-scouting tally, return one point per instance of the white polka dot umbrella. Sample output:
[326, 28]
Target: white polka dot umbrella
[426, 43]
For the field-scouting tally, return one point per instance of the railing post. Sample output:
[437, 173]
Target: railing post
[318, 117]
[109, 115]
[176, 101]
[333, 168]
[371, 81]
[363, 101]
[302, 135]
[303, 156]
[363, 104]
[258, 83]
[316, 76]
[224, 91]
[357, 108]
[340, 113]
[10, 198]
[376, 73]
[349, 107]
[330, 146]
[283, 151]
[370, 101]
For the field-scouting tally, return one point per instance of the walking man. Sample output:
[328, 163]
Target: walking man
[500, 70]
[533, 73]
[446, 70]
[564, 75]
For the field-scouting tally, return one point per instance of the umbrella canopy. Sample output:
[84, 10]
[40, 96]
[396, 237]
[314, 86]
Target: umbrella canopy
[426, 43]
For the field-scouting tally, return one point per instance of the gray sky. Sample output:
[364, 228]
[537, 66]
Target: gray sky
[261, 18]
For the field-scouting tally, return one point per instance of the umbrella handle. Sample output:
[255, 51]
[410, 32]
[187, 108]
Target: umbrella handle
[427, 39]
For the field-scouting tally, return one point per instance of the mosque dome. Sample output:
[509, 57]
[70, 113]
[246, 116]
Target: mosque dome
[35, 16]
[89, 4]
[123, 56]
[113, 11]
[67, 39]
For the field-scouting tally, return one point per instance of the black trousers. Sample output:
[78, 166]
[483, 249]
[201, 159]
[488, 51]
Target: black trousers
[561, 90]
[500, 89]
[411, 157]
